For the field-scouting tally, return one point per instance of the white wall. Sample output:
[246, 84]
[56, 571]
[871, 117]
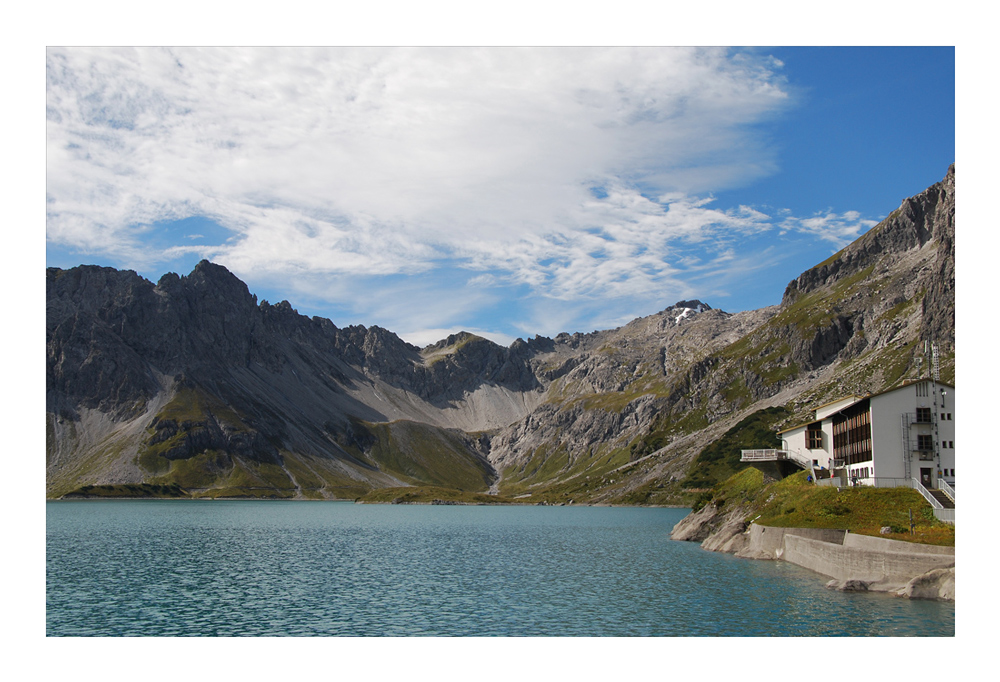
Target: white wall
[795, 440]
[887, 442]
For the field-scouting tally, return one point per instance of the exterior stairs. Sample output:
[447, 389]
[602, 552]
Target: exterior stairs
[943, 498]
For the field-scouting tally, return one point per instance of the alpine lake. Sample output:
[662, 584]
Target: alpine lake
[295, 568]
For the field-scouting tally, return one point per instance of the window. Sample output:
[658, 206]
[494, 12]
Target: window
[951, 444]
[852, 433]
[815, 462]
[923, 415]
[924, 443]
[922, 389]
[814, 437]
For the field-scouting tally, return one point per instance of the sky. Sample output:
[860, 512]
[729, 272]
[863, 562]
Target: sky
[504, 191]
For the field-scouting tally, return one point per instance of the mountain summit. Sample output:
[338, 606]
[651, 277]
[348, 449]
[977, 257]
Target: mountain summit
[192, 384]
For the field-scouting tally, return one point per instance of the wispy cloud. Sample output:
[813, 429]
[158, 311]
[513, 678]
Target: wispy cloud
[838, 229]
[578, 174]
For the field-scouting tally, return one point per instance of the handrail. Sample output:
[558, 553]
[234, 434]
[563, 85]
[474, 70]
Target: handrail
[804, 462]
[946, 489]
[763, 454]
[918, 486]
[774, 455]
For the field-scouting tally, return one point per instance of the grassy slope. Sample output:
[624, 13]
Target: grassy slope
[424, 454]
[430, 495]
[795, 503]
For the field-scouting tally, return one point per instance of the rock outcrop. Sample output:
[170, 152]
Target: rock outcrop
[937, 584]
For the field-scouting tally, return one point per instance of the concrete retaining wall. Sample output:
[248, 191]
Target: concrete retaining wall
[846, 556]
[771, 541]
[887, 545]
[855, 563]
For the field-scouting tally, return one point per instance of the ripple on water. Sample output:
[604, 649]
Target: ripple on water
[172, 568]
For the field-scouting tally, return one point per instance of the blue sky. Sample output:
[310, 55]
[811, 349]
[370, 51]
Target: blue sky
[505, 191]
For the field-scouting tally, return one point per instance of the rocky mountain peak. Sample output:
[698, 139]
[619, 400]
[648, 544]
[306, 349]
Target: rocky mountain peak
[925, 217]
[684, 310]
[453, 340]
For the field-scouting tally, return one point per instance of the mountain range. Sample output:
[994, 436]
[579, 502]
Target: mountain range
[191, 386]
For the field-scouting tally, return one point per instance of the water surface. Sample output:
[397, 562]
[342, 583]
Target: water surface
[221, 568]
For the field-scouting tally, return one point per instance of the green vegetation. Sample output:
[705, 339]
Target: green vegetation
[819, 308]
[248, 492]
[204, 470]
[720, 459]
[424, 454]
[193, 404]
[901, 309]
[654, 494]
[430, 495]
[795, 503]
[435, 356]
[741, 488]
[189, 407]
[128, 490]
[554, 478]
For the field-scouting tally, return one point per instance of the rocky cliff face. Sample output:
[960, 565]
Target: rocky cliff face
[193, 381]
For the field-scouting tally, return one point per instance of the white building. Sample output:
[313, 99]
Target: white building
[904, 433]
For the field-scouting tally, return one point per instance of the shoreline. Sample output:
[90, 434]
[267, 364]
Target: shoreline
[433, 503]
[851, 562]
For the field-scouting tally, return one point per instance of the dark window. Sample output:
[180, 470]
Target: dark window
[923, 415]
[924, 443]
[814, 437]
[852, 433]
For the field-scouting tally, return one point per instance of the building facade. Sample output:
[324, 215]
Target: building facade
[903, 433]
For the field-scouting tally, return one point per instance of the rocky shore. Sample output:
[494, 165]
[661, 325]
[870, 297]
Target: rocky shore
[855, 563]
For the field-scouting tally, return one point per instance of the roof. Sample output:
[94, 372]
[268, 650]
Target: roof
[800, 426]
[909, 383]
[832, 402]
[857, 399]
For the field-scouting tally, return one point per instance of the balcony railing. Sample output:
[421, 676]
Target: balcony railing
[766, 455]
[772, 455]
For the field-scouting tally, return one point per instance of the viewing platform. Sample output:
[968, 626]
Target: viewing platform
[774, 463]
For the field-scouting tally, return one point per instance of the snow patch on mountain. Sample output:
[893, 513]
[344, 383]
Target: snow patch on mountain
[688, 309]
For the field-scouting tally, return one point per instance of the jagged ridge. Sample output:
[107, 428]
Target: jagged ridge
[163, 383]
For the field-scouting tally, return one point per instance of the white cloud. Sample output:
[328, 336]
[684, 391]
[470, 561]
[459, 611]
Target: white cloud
[576, 175]
[838, 229]
[380, 161]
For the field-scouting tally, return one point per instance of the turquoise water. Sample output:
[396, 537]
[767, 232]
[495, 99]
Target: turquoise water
[323, 568]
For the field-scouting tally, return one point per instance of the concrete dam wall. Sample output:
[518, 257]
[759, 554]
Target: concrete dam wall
[844, 556]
